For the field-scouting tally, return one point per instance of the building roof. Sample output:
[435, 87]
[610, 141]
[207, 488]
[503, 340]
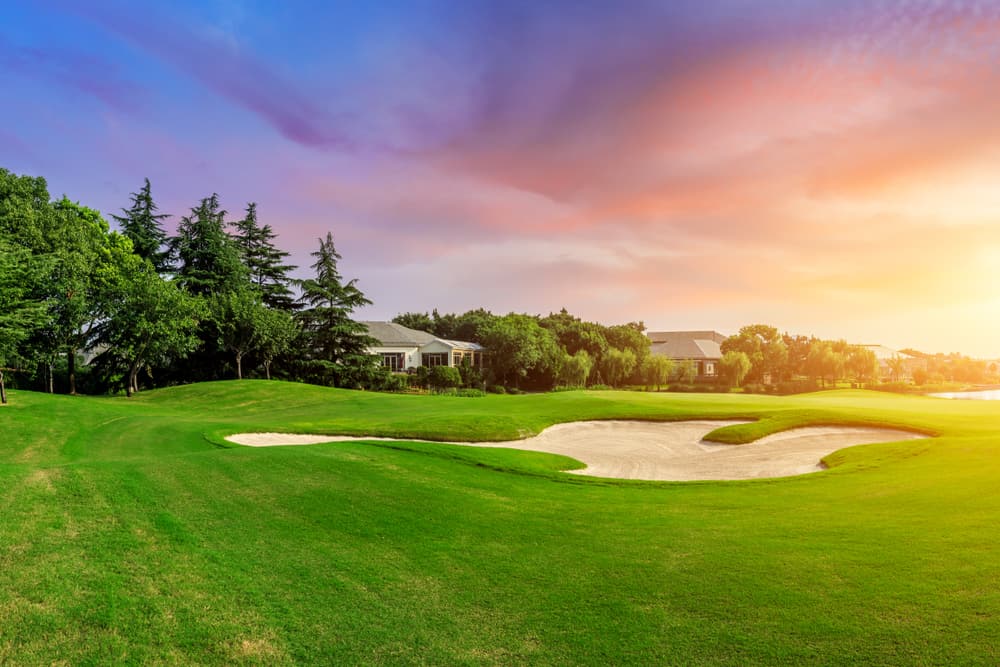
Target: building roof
[390, 334]
[686, 344]
[883, 353]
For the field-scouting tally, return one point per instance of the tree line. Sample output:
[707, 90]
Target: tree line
[215, 300]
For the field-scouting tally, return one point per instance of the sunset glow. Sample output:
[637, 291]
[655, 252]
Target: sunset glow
[827, 168]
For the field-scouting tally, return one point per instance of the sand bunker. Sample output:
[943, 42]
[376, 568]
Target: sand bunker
[665, 451]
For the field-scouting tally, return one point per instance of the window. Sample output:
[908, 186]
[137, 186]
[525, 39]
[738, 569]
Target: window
[431, 359]
[709, 368]
[393, 361]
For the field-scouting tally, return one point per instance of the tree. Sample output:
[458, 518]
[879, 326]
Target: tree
[209, 259]
[144, 319]
[79, 240]
[897, 368]
[240, 316]
[734, 367]
[264, 260]
[142, 225]
[19, 314]
[656, 370]
[862, 364]
[630, 337]
[686, 371]
[575, 369]
[418, 321]
[276, 330]
[518, 346]
[823, 362]
[336, 346]
[617, 366]
[763, 346]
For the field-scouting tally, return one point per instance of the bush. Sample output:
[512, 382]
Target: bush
[444, 377]
[599, 387]
[393, 382]
[795, 387]
[496, 389]
[470, 393]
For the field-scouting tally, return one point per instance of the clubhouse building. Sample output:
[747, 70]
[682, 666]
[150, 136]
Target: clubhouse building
[403, 349]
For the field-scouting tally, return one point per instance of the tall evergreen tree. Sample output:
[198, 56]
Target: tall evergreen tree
[209, 260]
[141, 224]
[264, 260]
[336, 345]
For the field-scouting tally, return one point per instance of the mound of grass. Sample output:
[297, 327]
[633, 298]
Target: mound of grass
[131, 532]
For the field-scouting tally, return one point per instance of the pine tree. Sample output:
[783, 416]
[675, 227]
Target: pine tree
[141, 224]
[209, 259]
[337, 346]
[264, 261]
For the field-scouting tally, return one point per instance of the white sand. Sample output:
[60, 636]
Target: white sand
[659, 450]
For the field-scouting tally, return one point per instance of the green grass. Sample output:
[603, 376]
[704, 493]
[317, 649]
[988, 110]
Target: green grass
[132, 533]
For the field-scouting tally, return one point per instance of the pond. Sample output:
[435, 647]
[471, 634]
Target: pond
[983, 395]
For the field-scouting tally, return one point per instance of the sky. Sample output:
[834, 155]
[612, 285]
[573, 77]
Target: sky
[829, 168]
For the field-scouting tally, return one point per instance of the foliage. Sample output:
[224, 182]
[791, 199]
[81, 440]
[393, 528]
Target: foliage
[617, 366]
[335, 346]
[209, 261]
[764, 347]
[444, 377]
[264, 261]
[685, 372]
[656, 370]
[574, 369]
[733, 367]
[142, 225]
[519, 347]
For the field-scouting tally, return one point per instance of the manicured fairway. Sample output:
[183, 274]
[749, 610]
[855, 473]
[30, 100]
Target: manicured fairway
[131, 532]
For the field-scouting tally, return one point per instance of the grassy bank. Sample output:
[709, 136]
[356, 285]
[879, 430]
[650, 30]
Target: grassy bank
[132, 533]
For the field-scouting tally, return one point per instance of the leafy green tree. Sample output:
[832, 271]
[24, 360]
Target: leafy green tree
[765, 348]
[264, 260]
[240, 317]
[897, 368]
[656, 370]
[418, 321]
[209, 259]
[686, 371]
[575, 369]
[79, 240]
[862, 364]
[144, 318]
[574, 334]
[336, 347]
[20, 315]
[25, 212]
[276, 331]
[823, 362]
[141, 224]
[734, 367]
[630, 337]
[617, 366]
[518, 347]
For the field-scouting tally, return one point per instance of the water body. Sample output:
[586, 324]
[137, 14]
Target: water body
[984, 395]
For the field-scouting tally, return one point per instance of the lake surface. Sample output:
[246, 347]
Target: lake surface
[985, 395]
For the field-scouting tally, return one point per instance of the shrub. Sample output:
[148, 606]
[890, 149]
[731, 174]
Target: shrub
[470, 393]
[444, 377]
[496, 389]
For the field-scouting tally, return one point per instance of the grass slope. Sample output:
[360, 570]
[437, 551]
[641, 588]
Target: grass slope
[131, 533]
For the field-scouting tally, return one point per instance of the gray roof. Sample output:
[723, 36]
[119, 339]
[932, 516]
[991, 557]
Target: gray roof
[391, 334]
[686, 344]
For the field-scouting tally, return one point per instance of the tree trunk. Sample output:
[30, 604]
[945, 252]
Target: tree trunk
[51, 384]
[71, 367]
[3, 391]
[239, 365]
[267, 368]
[133, 370]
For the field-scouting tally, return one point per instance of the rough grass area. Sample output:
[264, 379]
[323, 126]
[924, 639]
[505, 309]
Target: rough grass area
[130, 532]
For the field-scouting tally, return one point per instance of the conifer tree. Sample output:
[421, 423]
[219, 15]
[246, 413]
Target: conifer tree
[141, 224]
[336, 345]
[209, 259]
[264, 260]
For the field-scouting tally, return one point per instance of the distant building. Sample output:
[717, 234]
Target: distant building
[701, 347]
[886, 354]
[402, 348]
